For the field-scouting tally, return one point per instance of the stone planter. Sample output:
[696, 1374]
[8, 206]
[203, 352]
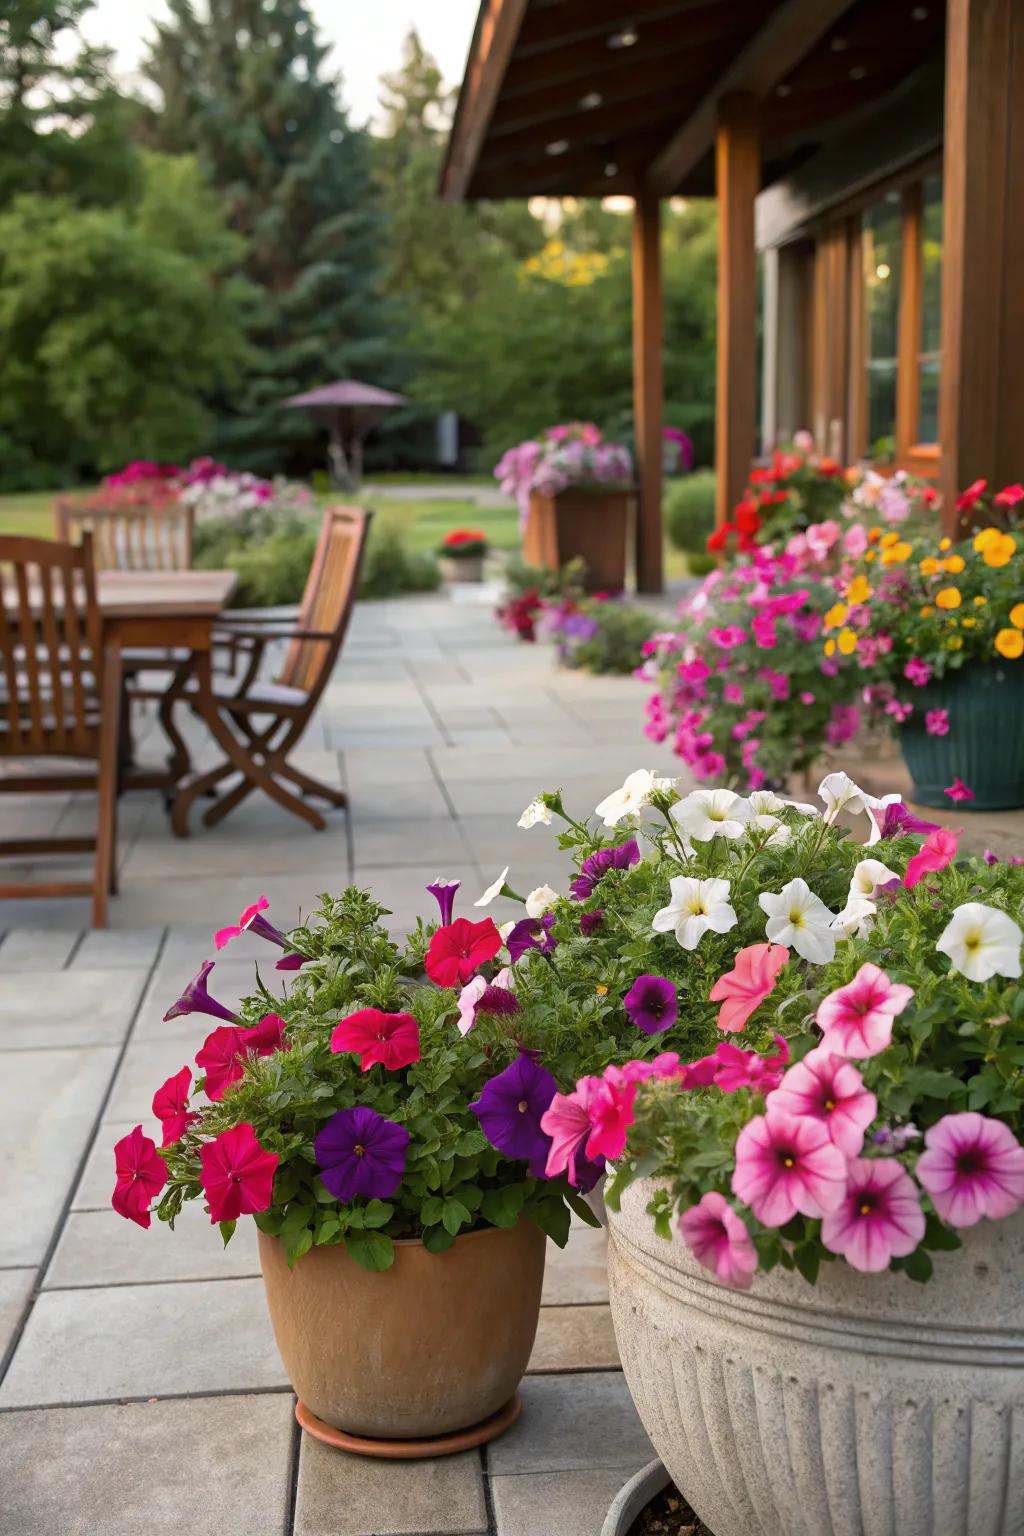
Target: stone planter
[433, 1345]
[469, 568]
[985, 745]
[866, 1405]
[589, 525]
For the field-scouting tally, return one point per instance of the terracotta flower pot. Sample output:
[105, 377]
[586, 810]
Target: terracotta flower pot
[466, 568]
[588, 525]
[436, 1343]
[861, 1404]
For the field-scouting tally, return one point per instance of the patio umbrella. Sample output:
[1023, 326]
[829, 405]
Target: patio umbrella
[349, 410]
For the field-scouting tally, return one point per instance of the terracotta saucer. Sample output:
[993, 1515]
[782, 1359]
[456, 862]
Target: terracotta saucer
[409, 1450]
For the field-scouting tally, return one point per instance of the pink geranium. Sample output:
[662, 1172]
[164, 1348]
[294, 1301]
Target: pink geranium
[972, 1166]
[827, 1088]
[879, 1217]
[937, 850]
[744, 988]
[785, 1165]
[718, 1239]
[857, 1020]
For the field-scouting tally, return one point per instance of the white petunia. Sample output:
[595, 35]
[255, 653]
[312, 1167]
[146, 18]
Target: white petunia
[696, 907]
[504, 929]
[632, 797]
[868, 878]
[493, 890]
[536, 813]
[840, 793]
[801, 921]
[855, 918]
[764, 802]
[803, 807]
[982, 942]
[540, 901]
[708, 813]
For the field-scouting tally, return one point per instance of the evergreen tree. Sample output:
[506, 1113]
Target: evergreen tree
[244, 88]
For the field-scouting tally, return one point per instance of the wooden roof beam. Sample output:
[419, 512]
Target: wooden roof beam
[497, 29]
[790, 32]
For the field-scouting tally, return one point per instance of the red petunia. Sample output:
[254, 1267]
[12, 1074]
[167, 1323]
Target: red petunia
[458, 949]
[393, 1039]
[223, 1051]
[237, 1174]
[1009, 495]
[969, 499]
[141, 1175]
[170, 1105]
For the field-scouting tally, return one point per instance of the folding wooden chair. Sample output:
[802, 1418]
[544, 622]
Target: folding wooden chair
[60, 697]
[130, 536]
[267, 719]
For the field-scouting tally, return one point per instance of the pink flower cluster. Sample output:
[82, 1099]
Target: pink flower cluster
[574, 453]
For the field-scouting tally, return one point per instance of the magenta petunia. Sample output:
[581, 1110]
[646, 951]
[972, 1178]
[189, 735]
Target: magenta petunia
[879, 1217]
[651, 1004]
[917, 672]
[936, 722]
[825, 1087]
[253, 921]
[223, 1051]
[857, 1020]
[958, 790]
[458, 949]
[360, 1152]
[591, 922]
[393, 1039]
[937, 850]
[237, 1174]
[784, 1165]
[597, 864]
[170, 1105]
[972, 1166]
[718, 1239]
[510, 1107]
[141, 1174]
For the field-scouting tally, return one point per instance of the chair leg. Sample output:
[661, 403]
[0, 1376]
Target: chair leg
[107, 775]
[310, 786]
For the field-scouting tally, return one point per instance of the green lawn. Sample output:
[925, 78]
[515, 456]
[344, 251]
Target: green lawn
[30, 513]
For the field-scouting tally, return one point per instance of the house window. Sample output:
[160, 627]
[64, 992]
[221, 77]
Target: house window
[882, 266]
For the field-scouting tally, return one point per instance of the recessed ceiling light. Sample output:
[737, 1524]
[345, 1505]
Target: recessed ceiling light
[556, 147]
[624, 39]
[783, 90]
[612, 168]
[883, 270]
[858, 72]
[591, 100]
[919, 13]
[839, 45]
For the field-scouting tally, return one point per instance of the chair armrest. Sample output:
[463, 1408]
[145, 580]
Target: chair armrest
[274, 634]
[251, 616]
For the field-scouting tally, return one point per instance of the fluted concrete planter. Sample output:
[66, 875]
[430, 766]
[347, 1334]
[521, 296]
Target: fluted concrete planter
[866, 1405]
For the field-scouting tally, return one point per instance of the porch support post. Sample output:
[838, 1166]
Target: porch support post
[648, 387]
[737, 179]
[981, 390]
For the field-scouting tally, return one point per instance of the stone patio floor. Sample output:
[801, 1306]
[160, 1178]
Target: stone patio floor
[139, 1384]
[140, 1388]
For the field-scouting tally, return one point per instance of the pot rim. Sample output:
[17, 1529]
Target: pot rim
[405, 1242]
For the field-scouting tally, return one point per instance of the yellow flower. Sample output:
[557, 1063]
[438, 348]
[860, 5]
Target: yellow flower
[979, 602]
[1000, 551]
[874, 534]
[830, 647]
[929, 566]
[893, 554]
[1010, 643]
[945, 544]
[847, 641]
[986, 537]
[889, 538]
[948, 597]
[601, 989]
[836, 615]
[954, 643]
[927, 611]
[1017, 615]
[968, 623]
[954, 564]
[870, 555]
[859, 590]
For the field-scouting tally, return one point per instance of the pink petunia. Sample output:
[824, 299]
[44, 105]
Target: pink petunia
[917, 671]
[224, 1050]
[825, 1087]
[744, 988]
[141, 1173]
[237, 1174]
[936, 722]
[728, 637]
[170, 1105]
[937, 850]
[785, 1165]
[879, 1218]
[857, 1020]
[958, 790]
[224, 936]
[972, 1166]
[611, 1114]
[567, 1121]
[718, 1239]
[393, 1039]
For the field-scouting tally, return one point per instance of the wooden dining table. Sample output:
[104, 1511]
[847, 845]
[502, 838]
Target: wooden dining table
[169, 611]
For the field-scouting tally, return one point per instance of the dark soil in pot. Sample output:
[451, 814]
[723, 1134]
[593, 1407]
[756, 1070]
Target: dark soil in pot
[668, 1515]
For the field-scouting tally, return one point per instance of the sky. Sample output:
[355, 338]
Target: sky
[366, 38]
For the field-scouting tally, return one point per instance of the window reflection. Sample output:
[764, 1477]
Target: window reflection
[931, 305]
[883, 260]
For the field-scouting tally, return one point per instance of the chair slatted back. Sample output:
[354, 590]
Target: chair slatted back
[50, 649]
[328, 599]
[132, 536]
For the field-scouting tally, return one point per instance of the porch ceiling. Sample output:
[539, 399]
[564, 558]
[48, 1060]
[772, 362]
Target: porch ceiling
[593, 97]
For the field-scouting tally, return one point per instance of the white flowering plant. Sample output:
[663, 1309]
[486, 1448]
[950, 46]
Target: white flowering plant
[802, 1020]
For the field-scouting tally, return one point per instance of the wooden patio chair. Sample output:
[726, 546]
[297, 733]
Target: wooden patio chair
[60, 697]
[267, 719]
[130, 536]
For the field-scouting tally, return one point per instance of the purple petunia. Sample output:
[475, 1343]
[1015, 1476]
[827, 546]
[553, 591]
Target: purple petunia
[599, 863]
[899, 821]
[532, 933]
[196, 999]
[443, 892]
[590, 922]
[359, 1152]
[509, 1110]
[651, 1004]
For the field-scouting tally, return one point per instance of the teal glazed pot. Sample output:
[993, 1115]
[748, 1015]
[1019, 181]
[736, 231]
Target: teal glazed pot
[985, 744]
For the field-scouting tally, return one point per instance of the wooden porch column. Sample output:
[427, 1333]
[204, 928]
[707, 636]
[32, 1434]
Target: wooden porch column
[648, 387]
[737, 180]
[981, 390]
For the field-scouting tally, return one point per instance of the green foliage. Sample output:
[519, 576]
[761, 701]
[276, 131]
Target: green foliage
[689, 503]
[113, 322]
[388, 566]
[604, 637]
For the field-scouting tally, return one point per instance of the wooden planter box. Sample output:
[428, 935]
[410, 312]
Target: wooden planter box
[581, 525]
